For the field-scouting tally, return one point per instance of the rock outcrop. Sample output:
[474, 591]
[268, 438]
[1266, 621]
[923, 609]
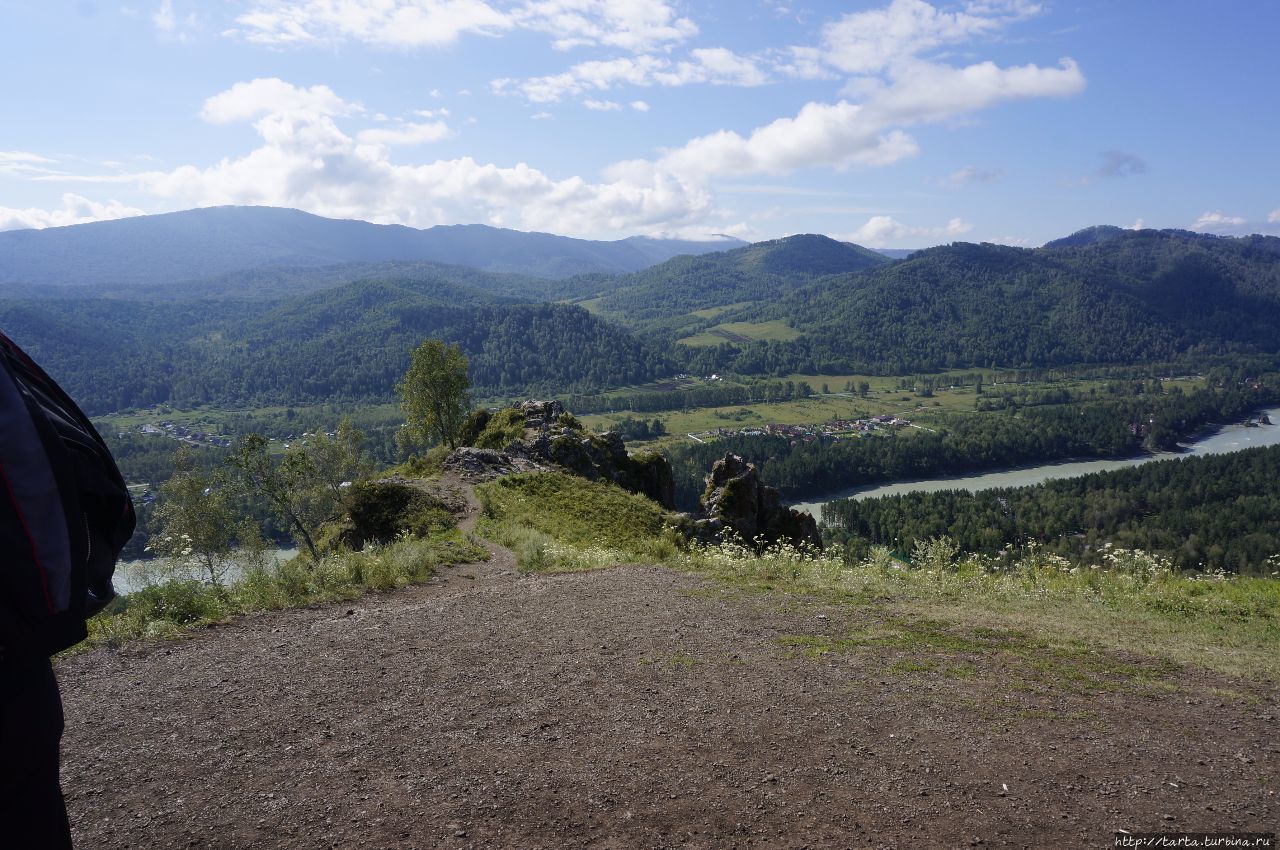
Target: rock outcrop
[736, 501]
[541, 435]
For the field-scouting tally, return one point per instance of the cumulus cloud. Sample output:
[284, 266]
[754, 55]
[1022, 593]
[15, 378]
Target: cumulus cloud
[306, 160]
[639, 106]
[1219, 222]
[868, 42]
[869, 133]
[273, 97]
[882, 229]
[602, 105]
[405, 134]
[1274, 216]
[75, 210]
[715, 66]
[626, 24]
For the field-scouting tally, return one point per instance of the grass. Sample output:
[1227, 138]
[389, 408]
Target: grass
[741, 332]
[177, 606]
[1073, 626]
[555, 518]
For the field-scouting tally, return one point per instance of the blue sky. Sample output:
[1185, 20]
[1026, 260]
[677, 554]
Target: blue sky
[896, 123]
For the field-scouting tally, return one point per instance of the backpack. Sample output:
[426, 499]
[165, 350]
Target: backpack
[65, 513]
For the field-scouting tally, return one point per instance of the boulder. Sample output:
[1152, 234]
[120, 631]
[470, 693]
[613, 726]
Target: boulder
[540, 435]
[735, 500]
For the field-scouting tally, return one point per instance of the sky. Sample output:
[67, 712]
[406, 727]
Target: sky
[894, 123]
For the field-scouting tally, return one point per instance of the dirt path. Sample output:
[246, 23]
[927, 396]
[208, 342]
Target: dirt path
[631, 707]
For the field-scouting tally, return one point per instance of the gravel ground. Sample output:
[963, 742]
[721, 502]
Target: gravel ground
[629, 707]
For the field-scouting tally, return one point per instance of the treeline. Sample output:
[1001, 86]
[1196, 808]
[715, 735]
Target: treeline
[1204, 513]
[969, 442]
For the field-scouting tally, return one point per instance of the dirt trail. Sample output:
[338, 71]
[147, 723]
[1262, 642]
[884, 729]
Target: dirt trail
[631, 707]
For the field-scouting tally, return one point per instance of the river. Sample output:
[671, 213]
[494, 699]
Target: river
[1229, 438]
[131, 576]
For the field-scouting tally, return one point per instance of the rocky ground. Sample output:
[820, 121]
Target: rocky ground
[637, 707]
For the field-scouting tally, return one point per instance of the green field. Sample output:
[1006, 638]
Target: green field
[742, 332]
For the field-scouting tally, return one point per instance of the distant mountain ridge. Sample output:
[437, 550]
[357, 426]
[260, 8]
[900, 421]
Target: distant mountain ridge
[205, 243]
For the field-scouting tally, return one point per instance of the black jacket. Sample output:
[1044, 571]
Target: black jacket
[65, 512]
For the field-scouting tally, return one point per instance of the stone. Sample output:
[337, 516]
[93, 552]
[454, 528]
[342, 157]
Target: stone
[737, 501]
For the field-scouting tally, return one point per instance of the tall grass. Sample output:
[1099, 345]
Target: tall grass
[174, 606]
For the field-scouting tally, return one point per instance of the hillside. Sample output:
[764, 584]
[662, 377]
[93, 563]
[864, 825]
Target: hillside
[763, 271]
[1108, 297]
[193, 244]
[342, 344]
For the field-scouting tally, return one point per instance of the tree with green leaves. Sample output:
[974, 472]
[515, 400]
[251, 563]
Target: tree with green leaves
[436, 394]
[304, 487]
[198, 524]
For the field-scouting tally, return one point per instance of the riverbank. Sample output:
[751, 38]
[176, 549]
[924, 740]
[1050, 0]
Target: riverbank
[1221, 439]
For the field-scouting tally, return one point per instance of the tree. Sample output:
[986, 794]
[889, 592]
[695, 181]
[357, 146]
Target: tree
[435, 393]
[304, 487]
[197, 524]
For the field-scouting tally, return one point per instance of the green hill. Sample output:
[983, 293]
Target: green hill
[1118, 297]
[759, 272]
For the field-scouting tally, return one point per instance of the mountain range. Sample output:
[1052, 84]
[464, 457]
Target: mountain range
[204, 243]
[803, 304]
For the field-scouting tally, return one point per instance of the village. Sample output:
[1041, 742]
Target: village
[835, 429]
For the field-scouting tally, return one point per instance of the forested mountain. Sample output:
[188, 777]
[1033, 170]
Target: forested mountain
[344, 344]
[272, 283]
[203, 243]
[1110, 296]
[763, 271]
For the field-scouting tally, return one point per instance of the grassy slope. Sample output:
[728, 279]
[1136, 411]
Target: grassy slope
[1050, 615]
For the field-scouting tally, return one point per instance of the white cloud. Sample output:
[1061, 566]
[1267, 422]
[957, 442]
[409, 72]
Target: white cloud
[306, 160]
[639, 106]
[1012, 241]
[273, 97]
[164, 18]
[924, 92]
[882, 229]
[972, 175]
[24, 164]
[1139, 224]
[715, 66]
[1274, 216]
[634, 25]
[837, 135]
[75, 210]
[1219, 222]
[405, 134]
[540, 116]
[170, 25]
[385, 23]
[868, 42]
[602, 105]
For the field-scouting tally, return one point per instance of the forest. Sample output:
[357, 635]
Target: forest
[1218, 512]
[1106, 428]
